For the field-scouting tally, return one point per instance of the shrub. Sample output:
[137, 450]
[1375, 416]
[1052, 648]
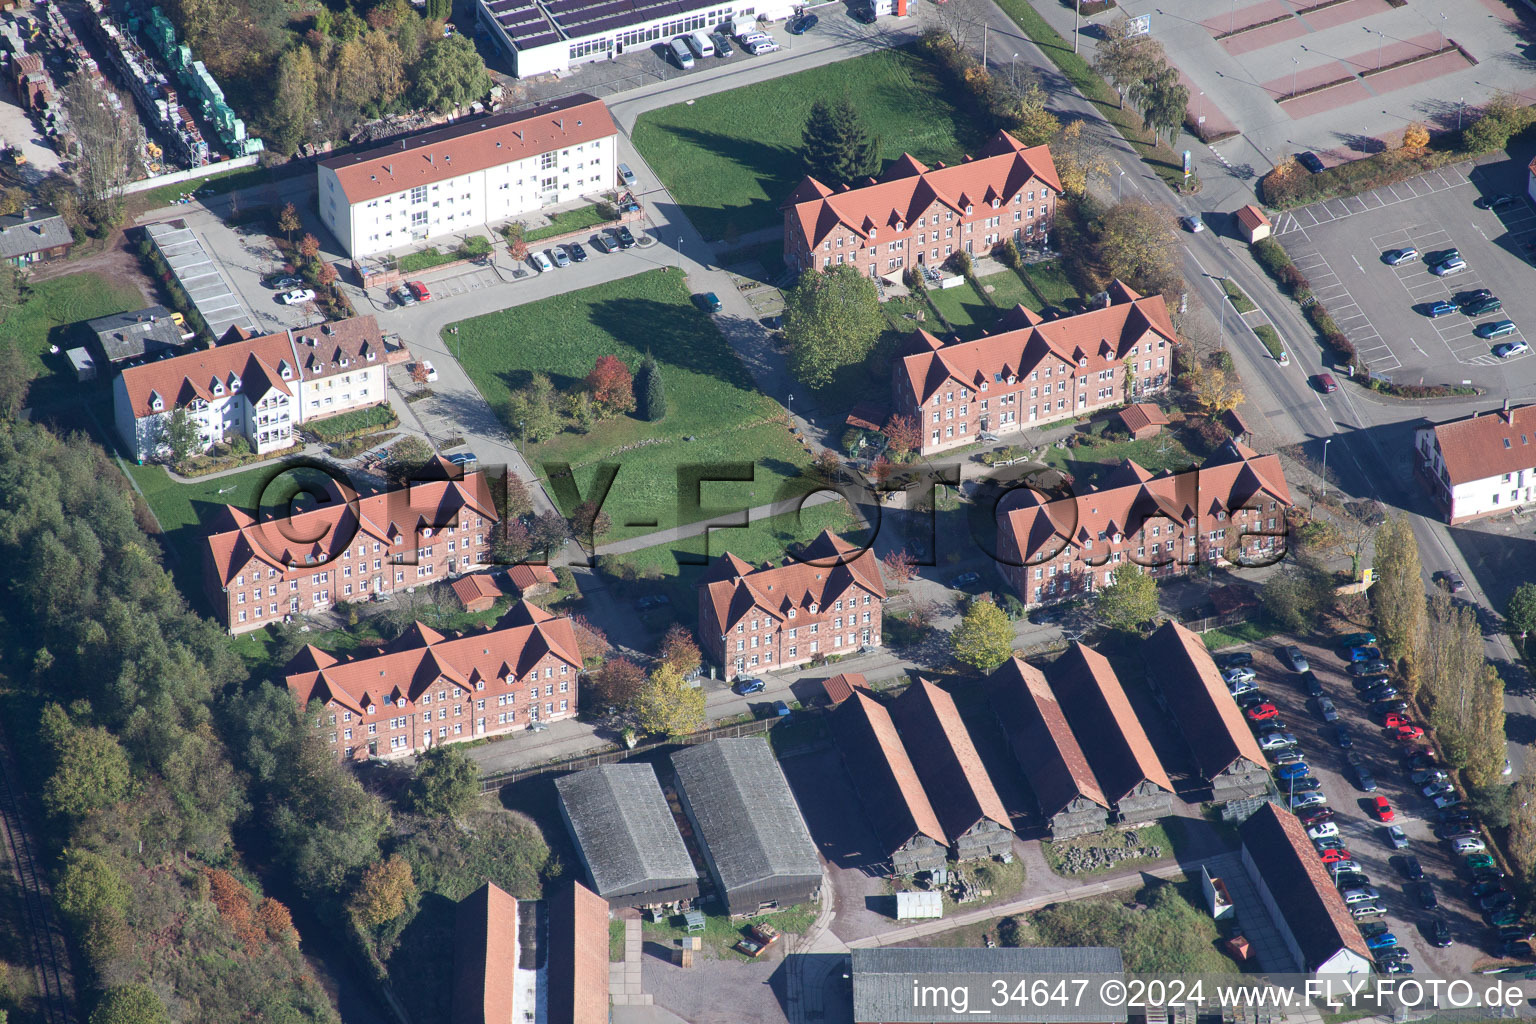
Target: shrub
[1008, 254]
[1271, 339]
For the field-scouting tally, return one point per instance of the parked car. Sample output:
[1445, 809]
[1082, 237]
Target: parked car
[1262, 712]
[1394, 720]
[1293, 771]
[1382, 807]
[1516, 950]
[1396, 257]
[626, 237]
[287, 281]
[1449, 267]
[420, 290]
[1343, 737]
[1310, 161]
[1510, 349]
[1451, 581]
[1325, 383]
[722, 44]
[1482, 307]
[605, 242]
[1365, 780]
[1378, 692]
[1239, 674]
[965, 579]
[1314, 816]
[1323, 830]
[1241, 687]
[627, 177]
[1470, 844]
[578, 254]
[1327, 710]
[1235, 659]
[781, 709]
[803, 24]
[1194, 225]
[1356, 640]
[1368, 668]
[1487, 887]
[1333, 856]
[1250, 698]
[1293, 657]
[1353, 879]
[1276, 740]
[1387, 707]
[1495, 202]
[1449, 800]
[764, 44]
[1303, 784]
[746, 686]
[1311, 684]
[541, 262]
[403, 297]
[1363, 654]
[1380, 940]
[863, 14]
[1423, 778]
[1324, 845]
[1435, 789]
[1479, 861]
[1496, 901]
[465, 459]
[1309, 799]
[1396, 837]
[1439, 933]
[1408, 733]
[1441, 307]
[426, 364]
[1290, 755]
[558, 255]
[298, 296]
[1494, 329]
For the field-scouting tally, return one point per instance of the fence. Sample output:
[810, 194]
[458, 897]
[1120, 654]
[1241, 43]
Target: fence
[194, 174]
[494, 783]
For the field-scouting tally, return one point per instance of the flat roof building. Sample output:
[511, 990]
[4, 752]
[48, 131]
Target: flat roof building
[626, 836]
[752, 836]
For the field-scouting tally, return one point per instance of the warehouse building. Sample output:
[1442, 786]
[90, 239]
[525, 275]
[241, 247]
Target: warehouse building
[626, 836]
[901, 984]
[751, 835]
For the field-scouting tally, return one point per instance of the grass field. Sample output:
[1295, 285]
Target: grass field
[563, 223]
[966, 311]
[1240, 300]
[721, 932]
[1091, 465]
[1050, 281]
[715, 417]
[1009, 290]
[731, 158]
[53, 314]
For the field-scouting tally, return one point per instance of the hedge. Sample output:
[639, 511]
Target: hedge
[355, 423]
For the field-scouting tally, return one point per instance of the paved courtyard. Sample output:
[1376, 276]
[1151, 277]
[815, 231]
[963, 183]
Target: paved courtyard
[1338, 245]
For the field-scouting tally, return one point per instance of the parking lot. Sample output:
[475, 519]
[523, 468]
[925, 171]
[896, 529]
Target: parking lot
[1339, 246]
[1363, 834]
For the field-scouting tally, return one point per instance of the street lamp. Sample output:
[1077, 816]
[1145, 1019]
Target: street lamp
[1326, 442]
[1077, 22]
[1117, 184]
[1442, 30]
[1221, 330]
[1461, 105]
[1295, 66]
[1232, 17]
[791, 409]
[523, 429]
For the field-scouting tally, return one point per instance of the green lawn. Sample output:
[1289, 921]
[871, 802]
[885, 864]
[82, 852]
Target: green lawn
[721, 932]
[1009, 290]
[564, 223]
[711, 400]
[1050, 282]
[731, 158]
[1090, 465]
[53, 314]
[213, 184]
[966, 311]
[1240, 300]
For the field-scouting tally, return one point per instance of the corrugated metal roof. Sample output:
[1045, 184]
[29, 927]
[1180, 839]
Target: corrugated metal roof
[883, 982]
[625, 830]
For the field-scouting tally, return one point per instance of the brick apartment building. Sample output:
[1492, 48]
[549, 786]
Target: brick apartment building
[346, 549]
[914, 214]
[1034, 371]
[826, 602]
[1480, 465]
[426, 688]
[1056, 550]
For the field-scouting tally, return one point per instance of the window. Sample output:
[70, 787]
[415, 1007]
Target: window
[419, 194]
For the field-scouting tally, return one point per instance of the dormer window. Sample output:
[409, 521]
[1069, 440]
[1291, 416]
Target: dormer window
[791, 613]
[814, 607]
[994, 204]
[345, 361]
[284, 371]
[156, 402]
[218, 388]
[901, 225]
[370, 355]
[1012, 379]
[968, 209]
[1082, 361]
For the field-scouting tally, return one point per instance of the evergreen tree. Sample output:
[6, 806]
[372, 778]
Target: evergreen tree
[650, 395]
[838, 147]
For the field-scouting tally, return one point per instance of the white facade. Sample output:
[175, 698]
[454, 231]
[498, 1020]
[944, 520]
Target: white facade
[1341, 961]
[416, 215]
[564, 53]
[267, 423]
[1469, 499]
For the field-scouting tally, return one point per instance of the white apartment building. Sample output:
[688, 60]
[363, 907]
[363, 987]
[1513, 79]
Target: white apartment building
[1481, 465]
[256, 388]
[481, 171]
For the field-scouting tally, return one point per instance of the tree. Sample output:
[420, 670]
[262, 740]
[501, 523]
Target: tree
[1464, 693]
[405, 459]
[446, 782]
[590, 641]
[650, 393]
[838, 148]
[1137, 244]
[513, 542]
[1216, 390]
[91, 770]
[1128, 599]
[532, 408]
[899, 566]
[15, 380]
[517, 501]
[984, 638]
[1415, 138]
[12, 200]
[1081, 159]
[130, 1004]
[679, 650]
[1036, 126]
[667, 705]
[904, 436]
[439, 10]
[589, 522]
[612, 387]
[108, 140]
[291, 117]
[618, 682]
[548, 531]
[1129, 60]
[1167, 102]
[1298, 593]
[1522, 610]
[831, 321]
[387, 890]
[91, 893]
[1398, 596]
[450, 74]
[309, 248]
[1520, 841]
[288, 221]
[327, 275]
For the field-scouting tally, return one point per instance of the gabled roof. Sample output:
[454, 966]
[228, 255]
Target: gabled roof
[1250, 217]
[908, 189]
[1087, 342]
[1313, 909]
[624, 828]
[130, 335]
[1042, 742]
[30, 231]
[826, 570]
[1488, 444]
[1204, 709]
[471, 145]
[882, 772]
[883, 981]
[404, 668]
[284, 544]
[1233, 478]
[951, 771]
[1140, 415]
[578, 956]
[485, 956]
[525, 576]
[841, 686]
[1097, 710]
[746, 814]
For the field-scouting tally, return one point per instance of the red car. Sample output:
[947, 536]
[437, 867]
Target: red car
[1407, 733]
[1383, 809]
[1260, 712]
[419, 290]
[1335, 856]
[1325, 383]
[1396, 721]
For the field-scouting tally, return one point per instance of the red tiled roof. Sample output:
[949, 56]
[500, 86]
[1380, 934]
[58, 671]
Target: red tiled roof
[866, 416]
[525, 576]
[312, 539]
[841, 686]
[255, 364]
[485, 957]
[1042, 741]
[469, 146]
[823, 573]
[405, 668]
[1228, 480]
[476, 587]
[1207, 715]
[1097, 708]
[1250, 217]
[947, 762]
[1141, 415]
[1488, 444]
[1102, 337]
[578, 960]
[908, 189]
[1313, 908]
[882, 771]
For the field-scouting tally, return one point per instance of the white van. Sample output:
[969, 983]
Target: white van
[681, 54]
[741, 28]
[701, 45]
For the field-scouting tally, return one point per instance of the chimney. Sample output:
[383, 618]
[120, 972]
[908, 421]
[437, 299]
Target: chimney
[389, 169]
[431, 160]
[560, 123]
[1507, 417]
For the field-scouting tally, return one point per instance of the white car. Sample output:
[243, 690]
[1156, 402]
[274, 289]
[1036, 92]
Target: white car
[1239, 688]
[1241, 674]
[627, 176]
[1194, 225]
[1301, 801]
[1396, 837]
[1327, 830]
[758, 47]
[426, 364]
[1338, 867]
[1449, 267]
[298, 295]
[1470, 844]
[541, 262]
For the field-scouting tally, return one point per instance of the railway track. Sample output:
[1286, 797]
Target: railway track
[45, 935]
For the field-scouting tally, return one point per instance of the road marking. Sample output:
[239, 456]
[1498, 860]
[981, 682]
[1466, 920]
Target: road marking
[1357, 263]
